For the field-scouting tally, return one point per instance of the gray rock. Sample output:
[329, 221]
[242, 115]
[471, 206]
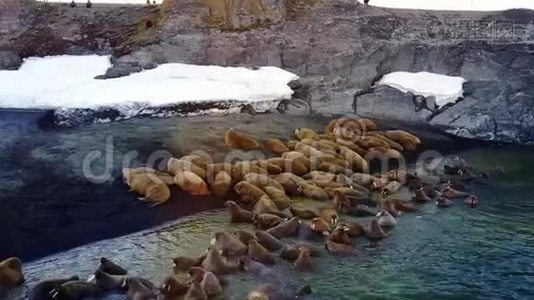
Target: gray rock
[122, 69]
[9, 60]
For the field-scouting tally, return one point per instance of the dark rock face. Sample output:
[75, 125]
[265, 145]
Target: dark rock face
[9, 60]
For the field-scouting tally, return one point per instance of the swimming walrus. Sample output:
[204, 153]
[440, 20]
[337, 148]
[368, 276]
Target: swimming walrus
[221, 184]
[354, 229]
[239, 140]
[385, 219]
[259, 253]
[341, 249]
[137, 290]
[150, 187]
[268, 241]
[195, 292]
[420, 196]
[291, 252]
[173, 287]
[303, 213]
[266, 221]
[191, 183]
[276, 146]
[218, 264]
[11, 273]
[391, 188]
[184, 263]
[320, 226]
[451, 193]
[174, 166]
[340, 235]
[329, 215]
[471, 201]
[42, 290]
[237, 214]
[228, 244]
[285, 229]
[108, 266]
[304, 263]
[208, 281]
[374, 231]
[244, 236]
[76, 289]
[108, 282]
[443, 202]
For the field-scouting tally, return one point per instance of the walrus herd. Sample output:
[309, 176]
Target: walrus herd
[332, 167]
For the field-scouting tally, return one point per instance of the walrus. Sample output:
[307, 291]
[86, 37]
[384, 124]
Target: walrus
[76, 289]
[314, 192]
[391, 188]
[340, 235]
[239, 140]
[334, 160]
[184, 263]
[347, 181]
[471, 201]
[320, 226]
[453, 194]
[280, 199]
[443, 202]
[244, 236]
[241, 168]
[363, 179]
[109, 267]
[285, 229]
[291, 252]
[390, 208]
[290, 186]
[320, 176]
[217, 264]
[227, 243]
[175, 166]
[137, 290]
[11, 272]
[380, 135]
[192, 183]
[374, 231]
[354, 229]
[237, 214]
[402, 206]
[352, 146]
[150, 187]
[297, 157]
[198, 160]
[259, 253]
[420, 196]
[311, 152]
[303, 213]
[329, 215]
[356, 161]
[341, 249]
[333, 168]
[269, 167]
[108, 282]
[128, 173]
[294, 166]
[266, 221]
[268, 241]
[303, 262]
[276, 146]
[173, 287]
[402, 136]
[306, 133]
[349, 192]
[195, 292]
[266, 206]
[214, 169]
[385, 219]
[207, 280]
[262, 181]
[248, 193]
[42, 290]
[221, 184]
[379, 183]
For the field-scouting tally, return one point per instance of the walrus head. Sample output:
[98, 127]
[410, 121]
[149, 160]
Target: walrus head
[472, 201]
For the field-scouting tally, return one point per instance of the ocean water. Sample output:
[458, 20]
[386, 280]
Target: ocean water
[452, 253]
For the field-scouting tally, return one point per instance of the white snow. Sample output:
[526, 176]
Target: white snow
[478, 5]
[67, 82]
[445, 89]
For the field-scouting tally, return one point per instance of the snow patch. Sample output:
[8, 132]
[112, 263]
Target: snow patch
[67, 85]
[445, 89]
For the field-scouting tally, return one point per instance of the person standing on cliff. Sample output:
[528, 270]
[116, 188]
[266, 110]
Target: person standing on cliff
[366, 2]
[89, 4]
[72, 4]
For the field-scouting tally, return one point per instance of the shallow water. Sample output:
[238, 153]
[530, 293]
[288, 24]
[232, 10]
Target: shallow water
[453, 253]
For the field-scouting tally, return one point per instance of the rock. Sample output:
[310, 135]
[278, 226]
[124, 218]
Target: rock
[122, 69]
[9, 60]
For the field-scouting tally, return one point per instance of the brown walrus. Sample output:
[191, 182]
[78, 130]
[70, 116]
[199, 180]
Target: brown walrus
[276, 146]
[42, 290]
[403, 206]
[221, 184]
[401, 136]
[174, 166]
[296, 157]
[76, 289]
[217, 264]
[471, 201]
[443, 202]
[239, 140]
[329, 215]
[184, 263]
[115, 283]
[451, 193]
[285, 229]
[207, 280]
[237, 214]
[306, 133]
[198, 160]
[259, 253]
[391, 188]
[320, 226]
[241, 168]
[228, 244]
[354, 229]
[244, 236]
[11, 273]
[266, 206]
[150, 187]
[195, 292]
[262, 181]
[373, 231]
[266, 221]
[303, 262]
[420, 196]
[294, 166]
[342, 249]
[291, 252]
[248, 193]
[127, 173]
[269, 167]
[107, 266]
[303, 213]
[356, 161]
[268, 241]
[191, 183]
[289, 183]
[173, 287]
[280, 199]
[340, 235]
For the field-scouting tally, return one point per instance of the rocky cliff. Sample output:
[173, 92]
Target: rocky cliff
[340, 48]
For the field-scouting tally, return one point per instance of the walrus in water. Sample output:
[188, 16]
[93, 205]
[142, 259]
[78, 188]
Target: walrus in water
[150, 187]
[340, 235]
[269, 291]
[42, 290]
[276, 146]
[329, 215]
[285, 229]
[108, 282]
[420, 196]
[137, 290]
[191, 183]
[248, 193]
[244, 236]
[304, 263]
[108, 266]
[173, 287]
[227, 243]
[320, 226]
[221, 184]
[443, 202]
[217, 264]
[184, 263]
[342, 249]
[354, 229]
[391, 188]
[280, 199]
[175, 166]
[374, 231]
[402, 206]
[268, 241]
[258, 269]
[11, 273]
[291, 252]
[259, 253]
[451, 193]
[76, 290]
[303, 213]
[239, 140]
[237, 214]
[385, 219]
[266, 221]
[266, 206]
[208, 281]
[195, 292]
[471, 201]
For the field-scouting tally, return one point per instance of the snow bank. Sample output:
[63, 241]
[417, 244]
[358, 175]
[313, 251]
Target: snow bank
[67, 83]
[445, 89]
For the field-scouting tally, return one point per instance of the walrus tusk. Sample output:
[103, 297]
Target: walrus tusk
[213, 240]
[91, 278]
